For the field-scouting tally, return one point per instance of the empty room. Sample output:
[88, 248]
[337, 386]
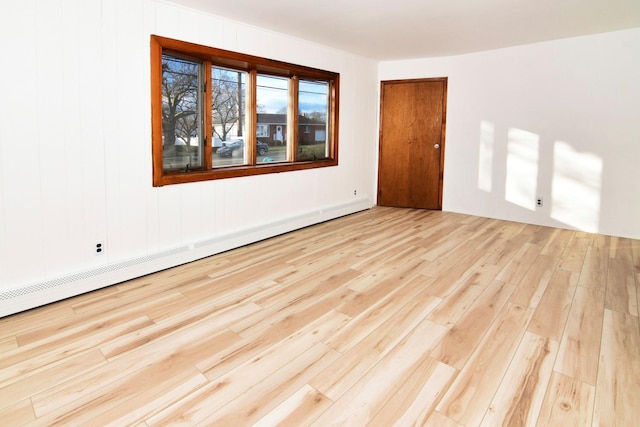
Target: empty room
[295, 213]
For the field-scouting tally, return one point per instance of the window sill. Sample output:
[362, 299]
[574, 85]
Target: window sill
[181, 177]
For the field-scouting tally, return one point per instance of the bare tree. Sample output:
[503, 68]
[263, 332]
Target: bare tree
[227, 102]
[320, 116]
[182, 101]
[179, 99]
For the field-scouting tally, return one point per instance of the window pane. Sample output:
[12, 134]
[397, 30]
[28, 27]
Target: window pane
[272, 99]
[313, 108]
[181, 117]
[228, 105]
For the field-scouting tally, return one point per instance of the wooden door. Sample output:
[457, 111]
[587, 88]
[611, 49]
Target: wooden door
[411, 149]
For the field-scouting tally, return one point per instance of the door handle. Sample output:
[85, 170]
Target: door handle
[436, 146]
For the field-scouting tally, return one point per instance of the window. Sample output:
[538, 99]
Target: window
[220, 114]
[228, 115]
[263, 131]
[313, 110]
[272, 97]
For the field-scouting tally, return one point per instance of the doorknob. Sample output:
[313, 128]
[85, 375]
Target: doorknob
[436, 146]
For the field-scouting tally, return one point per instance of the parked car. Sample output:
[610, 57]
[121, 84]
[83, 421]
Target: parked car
[217, 143]
[227, 150]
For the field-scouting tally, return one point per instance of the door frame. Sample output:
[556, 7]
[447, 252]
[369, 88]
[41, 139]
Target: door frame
[445, 81]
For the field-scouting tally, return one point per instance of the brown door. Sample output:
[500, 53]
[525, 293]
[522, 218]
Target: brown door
[412, 127]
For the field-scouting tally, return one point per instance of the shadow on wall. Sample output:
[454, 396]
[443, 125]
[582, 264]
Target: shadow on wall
[571, 195]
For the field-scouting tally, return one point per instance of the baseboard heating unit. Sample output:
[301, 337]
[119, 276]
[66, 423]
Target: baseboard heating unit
[32, 295]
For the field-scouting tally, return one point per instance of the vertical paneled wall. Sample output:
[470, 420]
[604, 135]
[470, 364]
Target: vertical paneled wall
[75, 148]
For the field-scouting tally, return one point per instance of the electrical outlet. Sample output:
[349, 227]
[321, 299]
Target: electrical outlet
[539, 202]
[355, 192]
[99, 248]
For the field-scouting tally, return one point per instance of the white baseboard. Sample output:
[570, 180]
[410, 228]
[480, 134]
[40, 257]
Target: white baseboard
[37, 294]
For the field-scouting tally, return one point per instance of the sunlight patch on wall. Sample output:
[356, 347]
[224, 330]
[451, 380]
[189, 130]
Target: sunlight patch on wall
[575, 192]
[485, 156]
[522, 168]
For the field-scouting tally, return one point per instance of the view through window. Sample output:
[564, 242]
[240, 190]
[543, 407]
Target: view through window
[220, 114]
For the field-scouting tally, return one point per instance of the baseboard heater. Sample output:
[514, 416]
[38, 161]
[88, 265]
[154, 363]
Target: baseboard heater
[33, 295]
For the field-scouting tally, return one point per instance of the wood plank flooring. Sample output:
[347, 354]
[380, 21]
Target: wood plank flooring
[386, 317]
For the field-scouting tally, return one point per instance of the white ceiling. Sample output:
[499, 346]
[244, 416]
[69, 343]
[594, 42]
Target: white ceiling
[398, 29]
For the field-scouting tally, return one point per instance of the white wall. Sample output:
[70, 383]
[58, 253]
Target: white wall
[559, 119]
[75, 145]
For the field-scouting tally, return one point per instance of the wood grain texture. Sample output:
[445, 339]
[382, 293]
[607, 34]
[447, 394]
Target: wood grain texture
[436, 419]
[362, 401]
[568, 402]
[594, 270]
[621, 287]
[467, 399]
[8, 343]
[618, 385]
[414, 400]
[365, 354]
[388, 317]
[580, 344]
[535, 282]
[551, 314]
[300, 408]
[411, 148]
[520, 395]
[462, 339]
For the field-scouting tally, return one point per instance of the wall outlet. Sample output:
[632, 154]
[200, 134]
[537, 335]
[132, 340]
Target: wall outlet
[539, 202]
[355, 192]
[99, 248]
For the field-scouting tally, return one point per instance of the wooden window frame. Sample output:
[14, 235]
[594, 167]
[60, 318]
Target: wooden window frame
[253, 65]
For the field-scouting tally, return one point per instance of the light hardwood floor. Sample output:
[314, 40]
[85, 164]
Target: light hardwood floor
[385, 317]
